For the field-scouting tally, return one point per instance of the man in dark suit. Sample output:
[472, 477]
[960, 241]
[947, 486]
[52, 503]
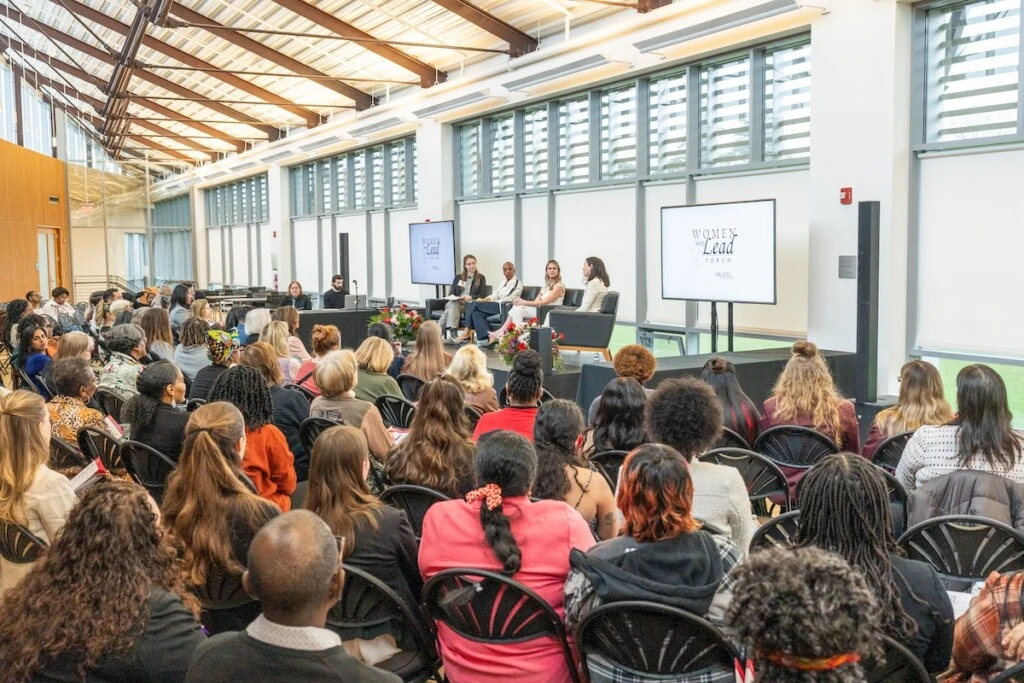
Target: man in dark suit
[335, 296]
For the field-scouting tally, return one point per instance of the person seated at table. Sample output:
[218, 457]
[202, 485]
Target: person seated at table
[32, 357]
[469, 369]
[152, 415]
[375, 356]
[275, 334]
[296, 298]
[738, 412]
[428, 358]
[384, 332]
[336, 376]
[478, 311]
[438, 451]
[467, 285]
[159, 337]
[256, 320]
[75, 383]
[334, 298]
[922, 401]
[289, 315]
[552, 294]
[631, 361]
[524, 387]
[222, 350]
[127, 346]
[326, 338]
[180, 303]
[595, 283]
[620, 419]
[191, 354]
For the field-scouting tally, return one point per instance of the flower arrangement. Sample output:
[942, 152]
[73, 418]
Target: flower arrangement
[403, 321]
[518, 339]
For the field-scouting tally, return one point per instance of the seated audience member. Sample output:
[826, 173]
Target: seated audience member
[552, 294]
[296, 298]
[267, 460]
[58, 304]
[384, 332]
[738, 412]
[201, 309]
[31, 494]
[212, 515]
[163, 297]
[334, 298]
[981, 438]
[127, 346]
[378, 537]
[106, 602]
[159, 338]
[619, 423]
[469, 369]
[805, 615]
[478, 311]
[438, 451]
[662, 556]
[256, 321]
[75, 383]
[69, 345]
[102, 319]
[275, 334]
[922, 401]
[16, 310]
[374, 357]
[989, 636]
[32, 356]
[595, 283]
[144, 299]
[428, 358]
[844, 508]
[90, 311]
[500, 529]
[685, 414]
[294, 569]
[524, 387]
[179, 306]
[467, 285]
[153, 413]
[122, 312]
[631, 362]
[222, 350]
[336, 377]
[325, 338]
[34, 298]
[191, 354]
[289, 315]
[235, 320]
[806, 395]
[563, 475]
[290, 407]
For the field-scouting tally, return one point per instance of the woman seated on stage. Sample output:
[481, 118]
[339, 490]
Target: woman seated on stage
[467, 285]
[296, 298]
[595, 283]
[552, 294]
[922, 402]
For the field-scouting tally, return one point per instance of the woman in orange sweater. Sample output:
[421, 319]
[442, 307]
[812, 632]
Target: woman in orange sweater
[267, 459]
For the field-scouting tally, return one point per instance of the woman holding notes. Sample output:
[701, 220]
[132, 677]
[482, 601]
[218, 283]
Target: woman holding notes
[468, 285]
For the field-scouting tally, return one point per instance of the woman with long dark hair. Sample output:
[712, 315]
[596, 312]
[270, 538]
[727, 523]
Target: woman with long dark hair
[500, 529]
[154, 415]
[738, 412]
[981, 437]
[16, 310]
[844, 508]
[32, 356]
[180, 306]
[467, 285]
[595, 283]
[619, 424]
[922, 401]
[563, 475]
[106, 602]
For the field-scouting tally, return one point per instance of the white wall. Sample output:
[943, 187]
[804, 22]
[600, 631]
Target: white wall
[401, 274]
[215, 256]
[487, 231]
[535, 239]
[89, 252]
[240, 256]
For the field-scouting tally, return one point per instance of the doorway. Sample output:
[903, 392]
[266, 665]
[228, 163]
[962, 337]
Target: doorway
[47, 259]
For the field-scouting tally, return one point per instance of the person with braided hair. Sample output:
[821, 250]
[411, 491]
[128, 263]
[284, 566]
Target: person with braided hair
[154, 415]
[191, 355]
[844, 508]
[499, 528]
[524, 387]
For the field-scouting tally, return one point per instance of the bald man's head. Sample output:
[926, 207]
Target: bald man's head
[292, 563]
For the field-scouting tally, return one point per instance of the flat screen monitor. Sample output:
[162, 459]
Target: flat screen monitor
[432, 252]
[719, 252]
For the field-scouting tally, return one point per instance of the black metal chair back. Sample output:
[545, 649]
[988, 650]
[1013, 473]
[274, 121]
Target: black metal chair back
[96, 443]
[762, 476]
[778, 532]
[545, 396]
[655, 639]
[306, 393]
[794, 446]
[64, 455]
[731, 439]
[410, 386]
[964, 548]
[19, 545]
[147, 466]
[110, 402]
[396, 411]
[488, 607]
[473, 416]
[194, 404]
[25, 382]
[888, 454]
[312, 427]
[415, 500]
[1014, 673]
[609, 463]
[900, 665]
[897, 503]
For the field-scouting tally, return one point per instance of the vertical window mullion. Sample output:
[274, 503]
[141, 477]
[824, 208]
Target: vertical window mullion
[594, 133]
[756, 105]
[486, 163]
[518, 151]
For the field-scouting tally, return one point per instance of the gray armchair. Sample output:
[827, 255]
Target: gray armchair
[573, 299]
[587, 331]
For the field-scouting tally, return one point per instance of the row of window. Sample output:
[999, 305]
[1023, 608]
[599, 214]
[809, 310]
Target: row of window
[379, 177]
[36, 117]
[175, 212]
[597, 134]
[238, 203]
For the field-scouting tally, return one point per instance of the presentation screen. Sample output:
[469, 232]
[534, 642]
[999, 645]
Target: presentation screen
[719, 252]
[432, 252]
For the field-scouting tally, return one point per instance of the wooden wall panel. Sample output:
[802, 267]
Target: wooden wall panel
[27, 181]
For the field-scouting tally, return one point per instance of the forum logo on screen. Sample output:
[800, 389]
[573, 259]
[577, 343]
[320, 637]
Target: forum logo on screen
[714, 245]
[430, 248]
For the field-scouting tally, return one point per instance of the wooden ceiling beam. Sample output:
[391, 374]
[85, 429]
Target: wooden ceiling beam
[519, 43]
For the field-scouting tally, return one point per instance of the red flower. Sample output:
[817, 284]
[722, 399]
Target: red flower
[531, 321]
[388, 321]
[403, 307]
[523, 346]
[385, 310]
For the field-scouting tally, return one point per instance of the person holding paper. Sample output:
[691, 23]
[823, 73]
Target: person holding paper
[468, 285]
[477, 312]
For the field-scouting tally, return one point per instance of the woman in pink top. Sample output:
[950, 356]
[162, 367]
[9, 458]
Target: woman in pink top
[527, 541]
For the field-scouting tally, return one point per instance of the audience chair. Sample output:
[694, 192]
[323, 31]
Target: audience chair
[889, 452]
[651, 639]
[778, 532]
[64, 455]
[762, 477]
[309, 395]
[1015, 673]
[148, 466]
[193, 404]
[18, 545]
[572, 300]
[110, 402]
[795, 447]
[897, 503]
[24, 382]
[410, 386]
[224, 602]
[473, 416]
[964, 548]
[609, 463]
[415, 500]
[312, 427]
[96, 443]
[545, 396]
[396, 411]
[587, 331]
[368, 604]
[731, 439]
[900, 665]
[489, 607]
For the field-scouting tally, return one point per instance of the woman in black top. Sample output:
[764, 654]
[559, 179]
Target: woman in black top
[738, 412]
[296, 298]
[467, 285]
[222, 349]
[152, 415]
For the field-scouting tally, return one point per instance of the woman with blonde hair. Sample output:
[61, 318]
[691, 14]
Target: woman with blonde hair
[326, 338]
[922, 402]
[213, 516]
[469, 369]
[289, 315]
[75, 345]
[31, 494]
[428, 358]
[336, 376]
[276, 335]
[374, 357]
[159, 338]
[552, 294]
[201, 309]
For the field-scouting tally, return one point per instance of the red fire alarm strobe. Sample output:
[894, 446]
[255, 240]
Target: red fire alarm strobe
[846, 195]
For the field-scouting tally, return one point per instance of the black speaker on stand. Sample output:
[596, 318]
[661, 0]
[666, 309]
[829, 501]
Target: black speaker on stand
[866, 386]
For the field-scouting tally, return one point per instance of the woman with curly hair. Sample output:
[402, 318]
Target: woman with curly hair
[337, 376]
[428, 358]
[469, 369]
[106, 602]
[922, 401]
[213, 516]
[844, 508]
[438, 451]
[738, 412]
[289, 315]
[153, 413]
[619, 424]
[268, 461]
[806, 616]
[563, 475]
[16, 310]
[191, 354]
[374, 357]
